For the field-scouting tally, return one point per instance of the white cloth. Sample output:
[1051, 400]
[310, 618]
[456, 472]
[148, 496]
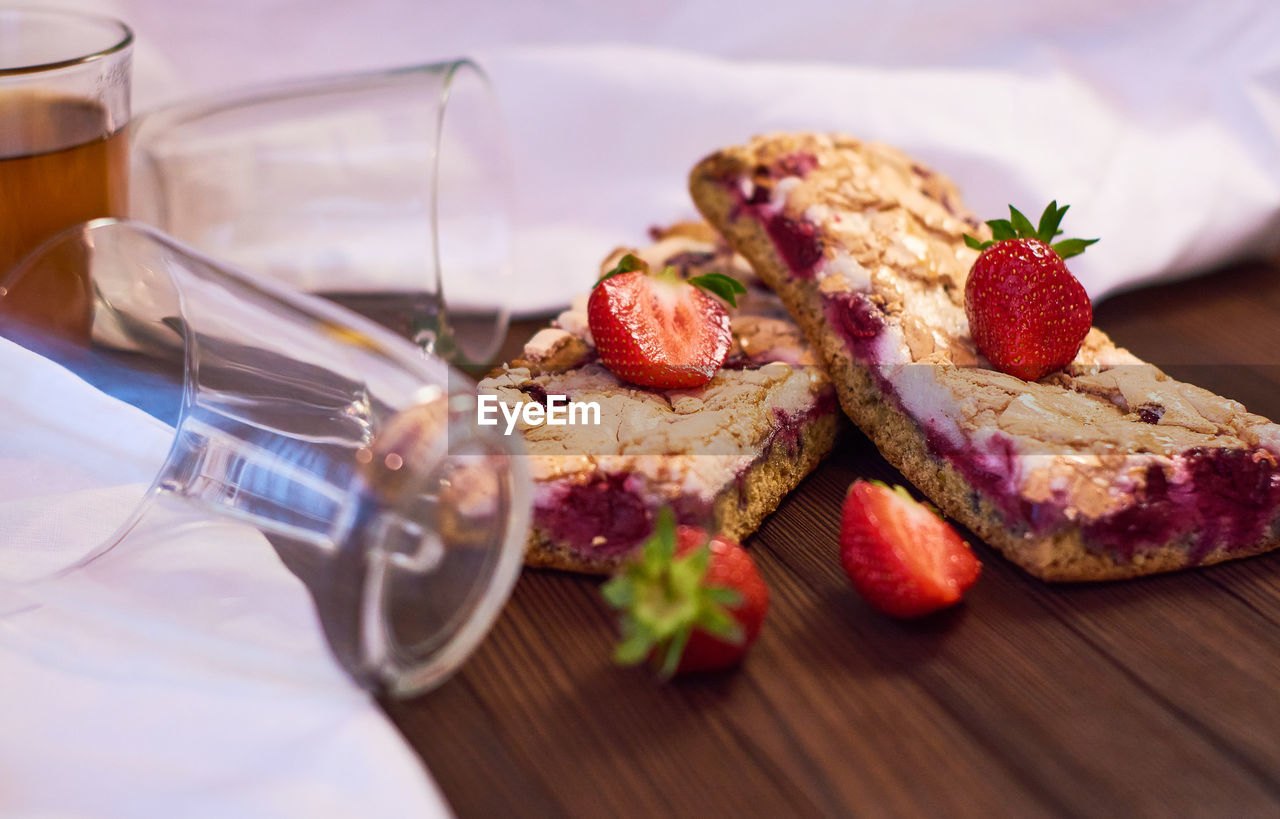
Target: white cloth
[1156, 121]
[183, 673]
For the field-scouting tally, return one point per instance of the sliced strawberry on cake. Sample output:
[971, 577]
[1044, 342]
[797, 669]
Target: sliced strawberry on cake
[711, 403]
[988, 390]
[661, 329]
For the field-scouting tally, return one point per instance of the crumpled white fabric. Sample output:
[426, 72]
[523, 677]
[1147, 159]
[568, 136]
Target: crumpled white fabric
[1156, 121]
[183, 673]
[1170, 186]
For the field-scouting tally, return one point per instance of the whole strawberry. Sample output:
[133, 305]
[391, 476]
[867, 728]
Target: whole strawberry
[688, 603]
[659, 330]
[904, 559]
[1027, 313]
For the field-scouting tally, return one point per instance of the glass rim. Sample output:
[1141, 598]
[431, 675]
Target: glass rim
[265, 93]
[448, 90]
[123, 41]
[452, 79]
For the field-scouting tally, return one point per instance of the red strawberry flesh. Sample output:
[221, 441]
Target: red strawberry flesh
[904, 559]
[1027, 313]
[658, 331]
[732, 568]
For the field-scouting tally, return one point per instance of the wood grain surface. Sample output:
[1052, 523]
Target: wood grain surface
[1149, 697]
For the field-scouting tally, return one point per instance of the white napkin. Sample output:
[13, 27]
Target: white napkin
[1175, 167]
[1156, 121]
[184, 672]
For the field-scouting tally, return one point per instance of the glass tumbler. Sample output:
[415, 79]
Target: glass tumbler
[359, 458]
[386, 192]
[64, 156]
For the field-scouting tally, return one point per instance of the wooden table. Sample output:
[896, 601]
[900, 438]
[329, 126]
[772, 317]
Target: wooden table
[1157, 696]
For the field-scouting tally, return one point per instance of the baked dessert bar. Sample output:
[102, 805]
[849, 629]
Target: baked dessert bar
[724, 454]
[1107, 469]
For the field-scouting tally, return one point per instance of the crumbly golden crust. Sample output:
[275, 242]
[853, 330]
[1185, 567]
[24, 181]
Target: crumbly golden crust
[722, 447]
[892, 231]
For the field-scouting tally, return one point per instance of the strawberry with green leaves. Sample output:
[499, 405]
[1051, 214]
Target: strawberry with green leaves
[688, 603]
[658, 329]
[900, 554]
[1027, 313]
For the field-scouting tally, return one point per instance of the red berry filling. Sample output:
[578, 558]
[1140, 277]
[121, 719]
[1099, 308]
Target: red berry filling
[797, 241]
[605, 517]
[854, 317]
[1221, 497]
[612, 514]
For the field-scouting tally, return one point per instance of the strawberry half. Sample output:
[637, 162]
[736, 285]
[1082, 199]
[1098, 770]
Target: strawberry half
[1027, 313]
[659, 330]
[899, 554]
[688, 603]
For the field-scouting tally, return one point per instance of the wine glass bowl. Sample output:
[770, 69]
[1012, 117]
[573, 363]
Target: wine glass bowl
[386, 192]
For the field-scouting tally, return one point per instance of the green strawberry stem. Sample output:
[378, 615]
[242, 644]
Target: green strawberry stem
[720, 284]
[626, 264]
[662, 598]
[717, 284]
[1018, 226]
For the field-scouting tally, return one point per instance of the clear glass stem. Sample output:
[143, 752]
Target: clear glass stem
[263, 480]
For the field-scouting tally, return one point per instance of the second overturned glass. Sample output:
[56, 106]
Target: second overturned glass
[355, 454]
[386, 192]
